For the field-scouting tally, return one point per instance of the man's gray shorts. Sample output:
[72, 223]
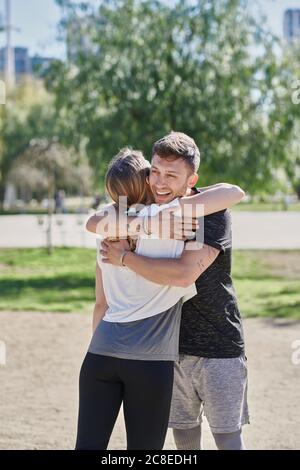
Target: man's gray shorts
[217, 387]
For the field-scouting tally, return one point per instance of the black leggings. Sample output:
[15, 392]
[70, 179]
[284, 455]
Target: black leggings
[144, 387]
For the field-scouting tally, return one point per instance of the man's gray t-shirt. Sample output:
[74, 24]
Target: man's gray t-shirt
[151, 339]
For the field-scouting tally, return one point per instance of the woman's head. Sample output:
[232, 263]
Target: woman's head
[127, 176]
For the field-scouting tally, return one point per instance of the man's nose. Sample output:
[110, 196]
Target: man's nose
[160, 182]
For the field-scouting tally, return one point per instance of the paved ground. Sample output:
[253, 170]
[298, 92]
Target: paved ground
[38, 394]
[257, 230]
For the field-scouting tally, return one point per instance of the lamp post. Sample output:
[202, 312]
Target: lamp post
[10, 76]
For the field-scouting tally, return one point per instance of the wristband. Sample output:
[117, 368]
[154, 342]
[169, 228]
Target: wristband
[145, 226]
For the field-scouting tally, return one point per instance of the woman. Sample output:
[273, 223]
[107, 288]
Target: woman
[136, 327]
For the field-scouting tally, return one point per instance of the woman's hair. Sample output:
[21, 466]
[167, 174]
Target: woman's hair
[126, 176]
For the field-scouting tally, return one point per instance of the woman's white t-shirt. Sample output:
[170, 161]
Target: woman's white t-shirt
[131, 297]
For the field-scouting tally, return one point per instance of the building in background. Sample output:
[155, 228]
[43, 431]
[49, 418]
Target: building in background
[291, 24]
[24, 64]
[39, 65]
[22, 61]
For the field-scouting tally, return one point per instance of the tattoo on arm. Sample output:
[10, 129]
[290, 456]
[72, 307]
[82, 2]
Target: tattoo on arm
[207, 258]
[201, 265]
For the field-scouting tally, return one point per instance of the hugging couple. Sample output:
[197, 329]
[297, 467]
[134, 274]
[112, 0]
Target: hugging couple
[167, 333]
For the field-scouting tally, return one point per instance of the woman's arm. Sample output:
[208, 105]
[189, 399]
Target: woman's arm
[101, 304]
[212, 199]
[110, 222]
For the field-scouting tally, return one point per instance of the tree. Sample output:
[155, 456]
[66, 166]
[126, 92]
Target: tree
[287, 128]
[145, 67]
[29, 116]
[46, 163]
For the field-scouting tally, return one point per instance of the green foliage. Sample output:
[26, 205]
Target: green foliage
[28, 114]
[28, 117]
[204, 68]
[289, 125]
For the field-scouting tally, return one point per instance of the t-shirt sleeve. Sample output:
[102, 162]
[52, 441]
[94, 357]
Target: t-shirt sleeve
[217, 230]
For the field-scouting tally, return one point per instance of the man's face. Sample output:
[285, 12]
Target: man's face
[170, 178]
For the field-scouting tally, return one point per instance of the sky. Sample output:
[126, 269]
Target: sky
[37, 23]
[37, 20]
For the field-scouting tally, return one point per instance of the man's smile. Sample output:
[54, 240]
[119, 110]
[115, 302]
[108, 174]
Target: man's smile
[161, 195]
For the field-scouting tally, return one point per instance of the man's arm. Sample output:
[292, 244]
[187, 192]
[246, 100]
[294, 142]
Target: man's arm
[109, 222]
[180, 272]
[214, 199]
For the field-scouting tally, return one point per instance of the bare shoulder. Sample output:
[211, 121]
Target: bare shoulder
[106, 208]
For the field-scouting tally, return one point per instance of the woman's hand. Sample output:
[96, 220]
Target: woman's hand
[111, 251]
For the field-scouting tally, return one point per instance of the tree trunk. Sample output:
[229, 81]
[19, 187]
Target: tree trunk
[2, 192]
[51, 191]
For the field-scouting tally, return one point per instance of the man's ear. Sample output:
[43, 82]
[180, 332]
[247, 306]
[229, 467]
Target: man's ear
[192, 181]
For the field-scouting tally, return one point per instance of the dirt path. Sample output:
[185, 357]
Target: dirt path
[38, 384]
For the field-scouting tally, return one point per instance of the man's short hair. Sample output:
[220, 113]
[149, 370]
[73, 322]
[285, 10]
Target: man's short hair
[178, 145]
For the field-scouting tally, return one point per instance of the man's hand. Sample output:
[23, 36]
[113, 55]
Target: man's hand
[111, 251]
[168, 225]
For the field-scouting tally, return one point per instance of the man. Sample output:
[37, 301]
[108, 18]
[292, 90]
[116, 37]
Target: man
[211, 376]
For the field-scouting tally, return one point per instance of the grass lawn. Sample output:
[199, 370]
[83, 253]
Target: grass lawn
[266, 207]
[30, 279]
[243, 206]
[267, 282]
